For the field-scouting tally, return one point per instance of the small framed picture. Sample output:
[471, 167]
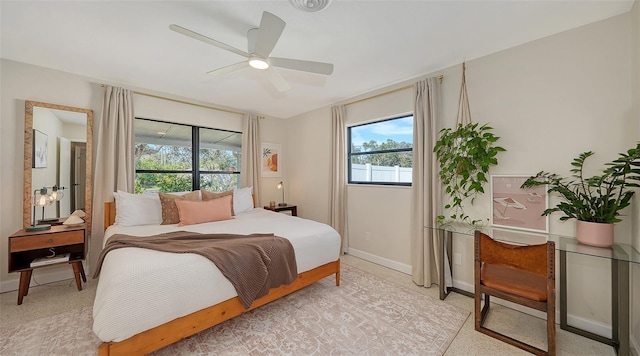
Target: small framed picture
[40, 149]
[517, 208]
[271, 160]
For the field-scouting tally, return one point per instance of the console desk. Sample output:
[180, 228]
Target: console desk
[620, 256]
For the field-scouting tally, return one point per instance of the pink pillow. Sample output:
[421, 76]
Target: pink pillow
[198, 212]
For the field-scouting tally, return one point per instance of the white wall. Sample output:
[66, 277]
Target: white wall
[548, 100]
[368, 235]
[22, 82]
[307, 155]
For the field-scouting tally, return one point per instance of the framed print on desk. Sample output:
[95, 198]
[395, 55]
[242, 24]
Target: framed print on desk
[271, 160]
[516, 208]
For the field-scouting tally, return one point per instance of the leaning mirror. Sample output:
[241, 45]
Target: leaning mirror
[57, 156]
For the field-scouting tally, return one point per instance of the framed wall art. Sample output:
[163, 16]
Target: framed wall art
[516, 208]
[40, 149]
[271, 160]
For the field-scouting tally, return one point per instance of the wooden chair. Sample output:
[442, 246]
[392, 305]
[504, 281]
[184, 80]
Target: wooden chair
[520, 274]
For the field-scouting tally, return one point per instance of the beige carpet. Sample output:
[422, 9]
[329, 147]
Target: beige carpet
[365, 315]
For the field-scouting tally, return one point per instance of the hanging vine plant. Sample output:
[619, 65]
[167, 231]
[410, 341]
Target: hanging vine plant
[465, 155]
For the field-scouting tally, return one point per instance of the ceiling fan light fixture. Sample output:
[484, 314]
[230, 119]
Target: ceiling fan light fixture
[258, 63]
[310, 5]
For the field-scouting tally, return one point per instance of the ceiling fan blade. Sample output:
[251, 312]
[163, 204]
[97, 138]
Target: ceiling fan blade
[208, 40]
[305, 66]
[277, 80]
[271, 27]
[228, 69]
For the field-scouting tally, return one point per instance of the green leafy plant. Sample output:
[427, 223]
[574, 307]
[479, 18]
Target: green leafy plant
[465, 155]
[596, 199]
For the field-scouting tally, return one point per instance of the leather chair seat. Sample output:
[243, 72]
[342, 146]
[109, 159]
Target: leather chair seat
[520, 274]
[514, 281]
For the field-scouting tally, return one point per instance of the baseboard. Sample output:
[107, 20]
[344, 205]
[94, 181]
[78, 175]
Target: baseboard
[591, 326]
[40, 276]
[575, 321]
[394, 265]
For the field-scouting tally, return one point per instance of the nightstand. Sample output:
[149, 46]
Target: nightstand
[278, 208]
[24, 247]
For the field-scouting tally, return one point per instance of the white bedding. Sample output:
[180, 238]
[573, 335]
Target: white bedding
[140, 289]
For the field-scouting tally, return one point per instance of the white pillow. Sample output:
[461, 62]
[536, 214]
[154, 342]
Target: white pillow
[137, 209]
[242, 200]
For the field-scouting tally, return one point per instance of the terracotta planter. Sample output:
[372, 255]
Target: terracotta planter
[594, 234]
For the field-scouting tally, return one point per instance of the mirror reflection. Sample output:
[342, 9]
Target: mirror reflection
[59, 160]
[66, 135]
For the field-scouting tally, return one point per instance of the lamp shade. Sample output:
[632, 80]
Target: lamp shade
[57, 194]
[42, 198]
[281, 186]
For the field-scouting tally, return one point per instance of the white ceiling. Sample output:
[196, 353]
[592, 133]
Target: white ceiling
[372, 44]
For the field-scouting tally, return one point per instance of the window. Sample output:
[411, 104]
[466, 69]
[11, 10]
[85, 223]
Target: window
[165, 160]
[381, 152]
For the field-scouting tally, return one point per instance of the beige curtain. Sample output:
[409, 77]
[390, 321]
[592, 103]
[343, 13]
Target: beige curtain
[114, 166]
[339, 174]
[250, 167]
[425, 197]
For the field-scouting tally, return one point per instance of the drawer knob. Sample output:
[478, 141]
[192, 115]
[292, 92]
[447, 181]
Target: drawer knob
[50, 240]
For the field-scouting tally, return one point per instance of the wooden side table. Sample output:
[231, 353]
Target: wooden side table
[24, 247]
[278, 208]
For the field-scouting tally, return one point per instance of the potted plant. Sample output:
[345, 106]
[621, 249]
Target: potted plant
[595, 202]
[465, 155]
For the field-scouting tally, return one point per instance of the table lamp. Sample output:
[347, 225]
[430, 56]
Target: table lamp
[40, 198]
[281, 186]
[56, 195]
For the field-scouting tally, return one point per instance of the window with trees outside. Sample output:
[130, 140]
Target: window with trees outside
[165, 159]
[381, 152]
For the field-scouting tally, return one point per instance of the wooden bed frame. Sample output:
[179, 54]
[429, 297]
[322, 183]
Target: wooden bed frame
[180, 328]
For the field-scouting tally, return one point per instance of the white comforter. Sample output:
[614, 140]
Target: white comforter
[140, 289]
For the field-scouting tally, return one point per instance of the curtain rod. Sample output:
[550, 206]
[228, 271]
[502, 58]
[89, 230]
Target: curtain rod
[386, 93]
[185, 102]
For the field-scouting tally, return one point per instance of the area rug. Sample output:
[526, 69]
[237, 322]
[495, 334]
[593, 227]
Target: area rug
[364, 316]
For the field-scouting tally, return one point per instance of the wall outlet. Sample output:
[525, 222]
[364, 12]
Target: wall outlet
[457, 259]
[367, 236]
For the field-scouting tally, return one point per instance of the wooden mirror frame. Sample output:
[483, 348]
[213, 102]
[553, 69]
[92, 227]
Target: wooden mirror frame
[28, 156]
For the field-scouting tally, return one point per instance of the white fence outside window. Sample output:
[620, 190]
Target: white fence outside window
[370, 173]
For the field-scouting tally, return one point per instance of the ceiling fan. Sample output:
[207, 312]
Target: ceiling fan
[261, 40]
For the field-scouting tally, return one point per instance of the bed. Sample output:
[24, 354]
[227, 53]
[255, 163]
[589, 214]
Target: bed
[148, 299]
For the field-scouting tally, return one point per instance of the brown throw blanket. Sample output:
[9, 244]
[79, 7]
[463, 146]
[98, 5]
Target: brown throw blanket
[252, 263]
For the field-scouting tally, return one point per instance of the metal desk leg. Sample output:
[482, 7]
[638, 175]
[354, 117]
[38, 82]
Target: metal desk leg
[442, 285]
[621, 320]
[446, 240]
[563, 290]
[619, 306]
